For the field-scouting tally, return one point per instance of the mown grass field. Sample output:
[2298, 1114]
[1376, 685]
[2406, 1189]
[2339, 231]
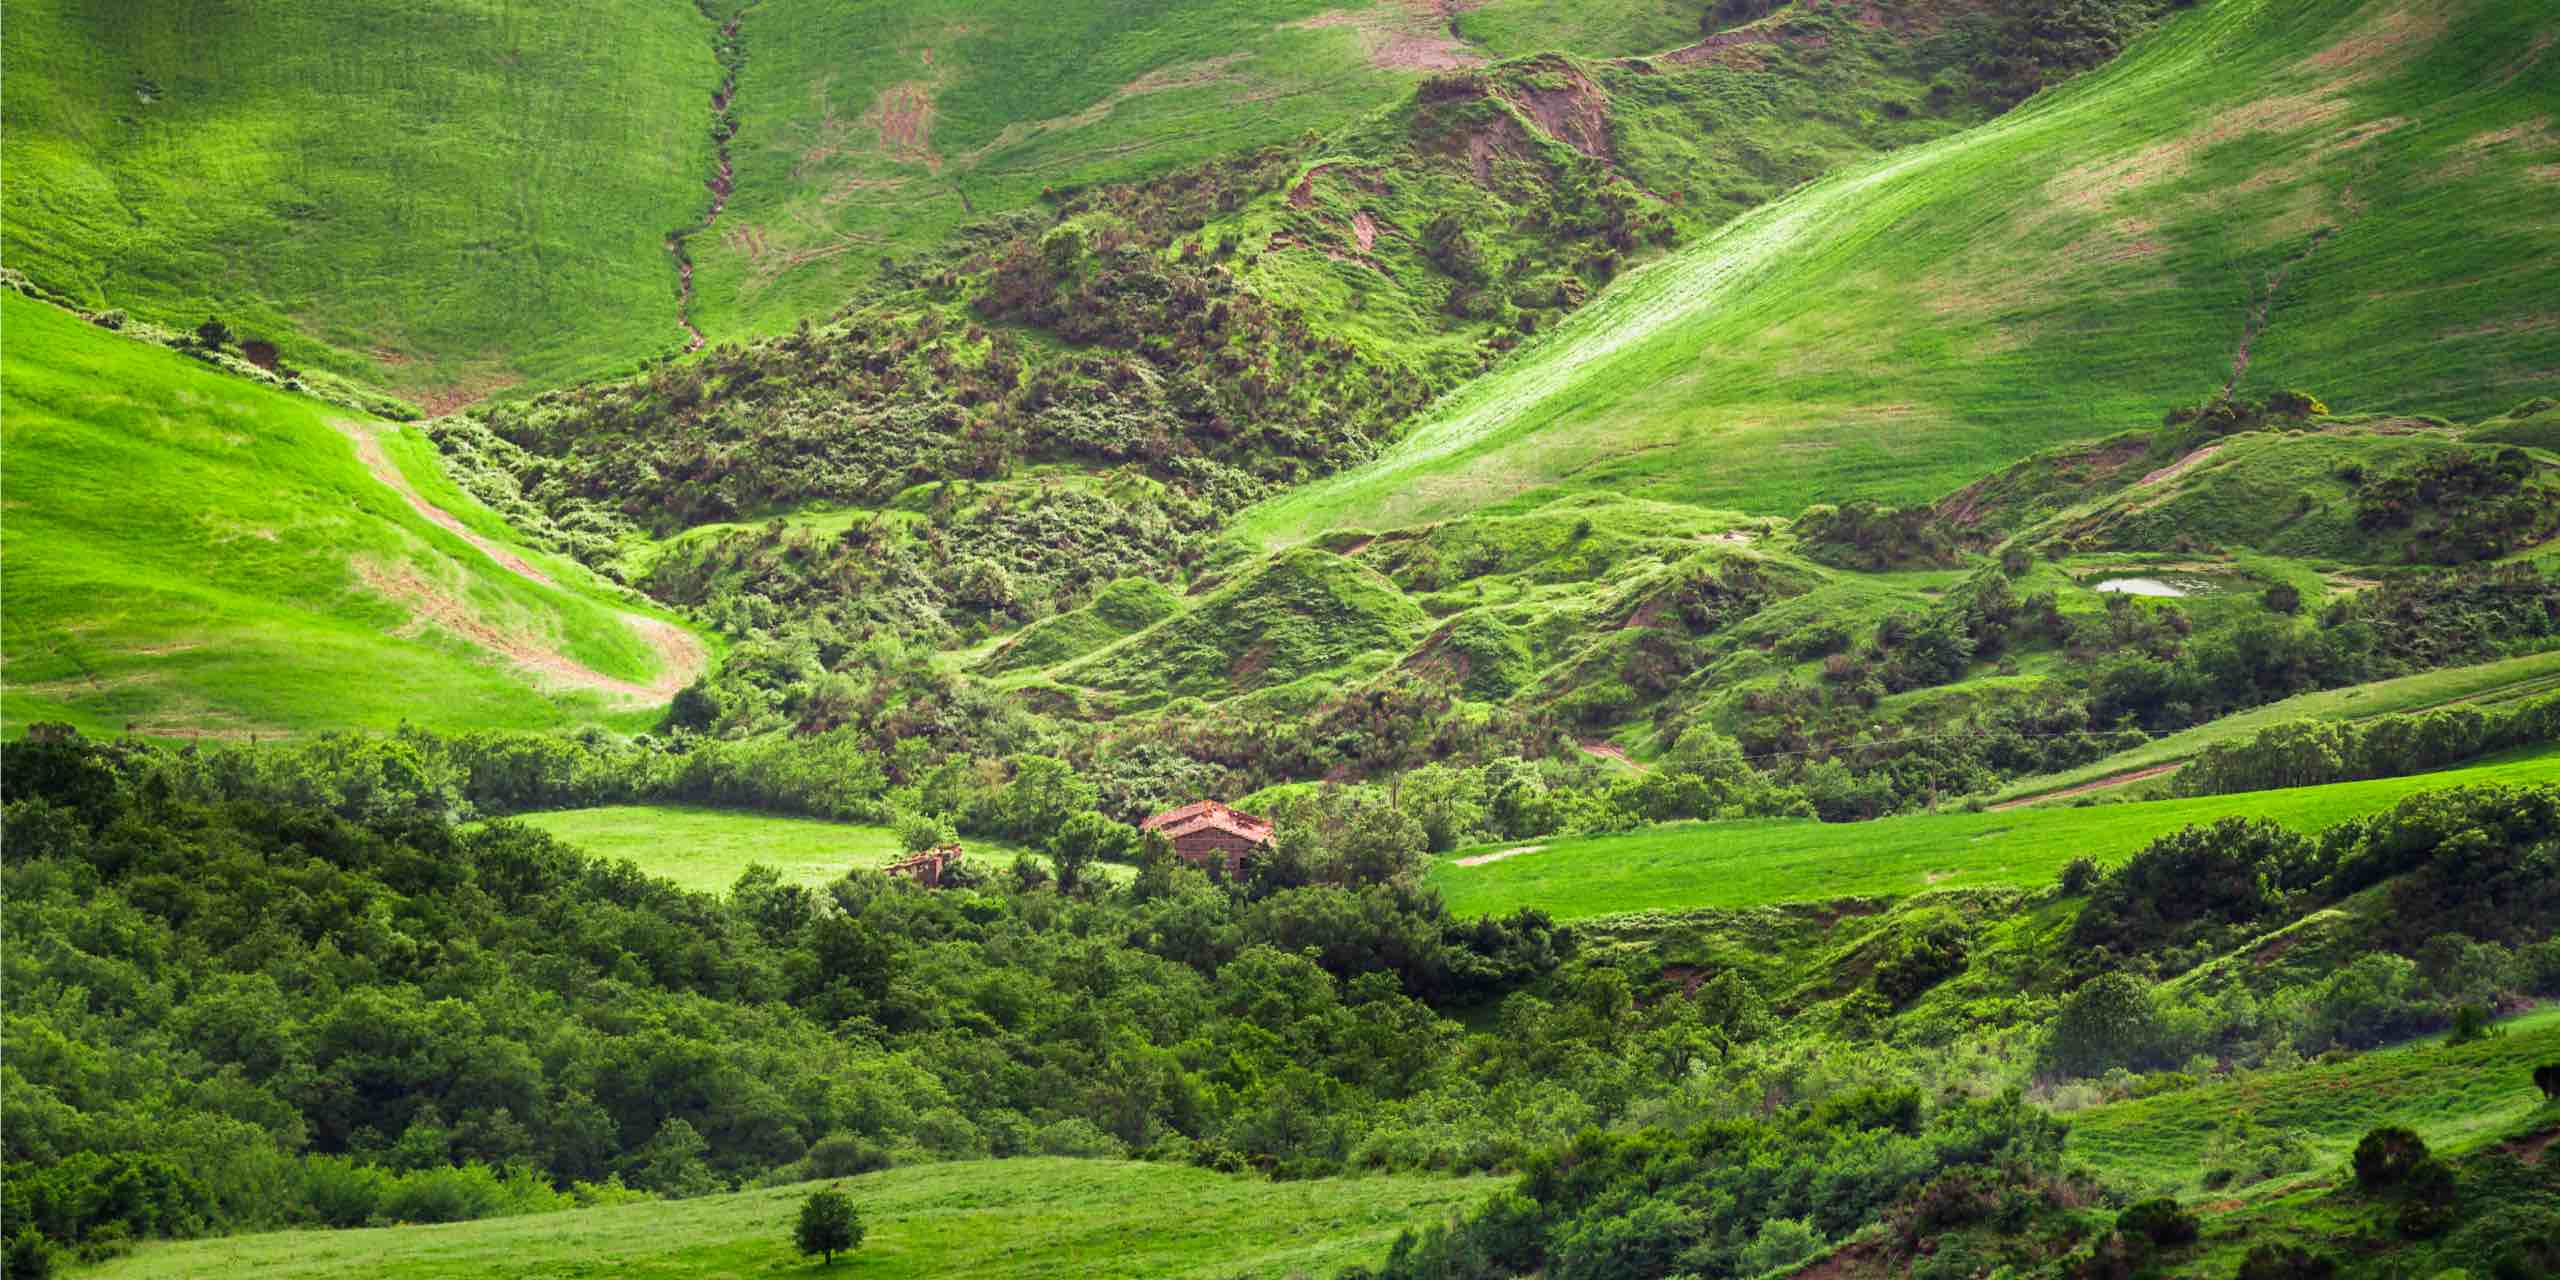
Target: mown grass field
[2485, 685]
[2456, 1097]
[705, 850]
[1008, 1218]
[1746, 864]
[2066, 271]
[183, 552]
[871, 131]
[440, 195]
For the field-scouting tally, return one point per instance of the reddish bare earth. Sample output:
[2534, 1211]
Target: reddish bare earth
[681, 655]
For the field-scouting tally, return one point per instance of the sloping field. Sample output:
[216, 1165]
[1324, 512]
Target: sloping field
[442, 195]
[1749, 864]
[189, 553]
[2356, 196]
[2454, 1096]
[2486, 685]
[988, 1218]
[872, 130]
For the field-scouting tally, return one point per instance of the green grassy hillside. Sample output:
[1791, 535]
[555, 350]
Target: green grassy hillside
[706, 850]
[2349, 195]
[2484, 685]
[2453, 1096]
[1010, 1218]
[188, 553]
[1749, 864]
[445, 195]
[872, 131]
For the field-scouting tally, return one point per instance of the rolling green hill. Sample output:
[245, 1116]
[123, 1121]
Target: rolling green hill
[2351, 195]
[1750, 864]
[191, 554]
[1009, 1218]
[872, 131]
[442, 195]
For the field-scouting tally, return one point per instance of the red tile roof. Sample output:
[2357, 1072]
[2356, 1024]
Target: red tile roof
[1207, 815]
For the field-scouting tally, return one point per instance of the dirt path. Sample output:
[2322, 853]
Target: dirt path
[1612, 751]
[2112, 780]
[1478, 860]
[720, 183]
[680, 654]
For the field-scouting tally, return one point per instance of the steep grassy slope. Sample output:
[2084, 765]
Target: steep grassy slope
[871, 131]
[190, 553]
[1010, 1218]
[1760, 863]
[443, 194]
[2353, 195]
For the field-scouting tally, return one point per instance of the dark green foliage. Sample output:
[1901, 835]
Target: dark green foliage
[2286, 1262]
[2473, 504]
[2161, 1221]
[828, 1226]
[1863, 535]
[2309, 753]
[2109, 1022]
[1658, 1201]
[2078, 877]
[2235, 872]
[2547, 1078]
[1927, 951]
[2284, 598]
[2470, 1025]
[2385, 1157]
[575, 1022]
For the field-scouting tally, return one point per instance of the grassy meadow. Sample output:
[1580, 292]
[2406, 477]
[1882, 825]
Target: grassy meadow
[188, 553]
[2069, 270]
[443, 196]
[988, 1218]
[2456, 1097]
[705, 850]
[1758, 863]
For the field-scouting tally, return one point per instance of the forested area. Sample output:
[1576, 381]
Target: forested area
[234, 1005]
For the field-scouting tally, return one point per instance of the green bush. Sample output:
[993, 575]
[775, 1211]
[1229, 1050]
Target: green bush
[828, 1225]
[2160, 1221]
[842, 1155]
[2386, 1155]
[2286, 1262]
[340, 1192]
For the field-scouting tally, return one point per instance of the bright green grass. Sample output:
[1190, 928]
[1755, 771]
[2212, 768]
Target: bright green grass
[1007, 1218]
[1023, 95]
[180, 552]
[1746, 864]
[705, 850]
[2455, 1097]
[438, 194]
[1599, 28]
[2070, 269]
[2484, 685]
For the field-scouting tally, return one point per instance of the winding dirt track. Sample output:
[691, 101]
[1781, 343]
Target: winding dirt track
[2112, 780]
[680, 654]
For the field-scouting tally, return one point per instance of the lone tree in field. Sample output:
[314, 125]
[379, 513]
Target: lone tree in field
[828, 1225]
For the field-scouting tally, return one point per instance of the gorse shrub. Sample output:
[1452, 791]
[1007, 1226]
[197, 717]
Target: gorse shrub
[2385, 1156]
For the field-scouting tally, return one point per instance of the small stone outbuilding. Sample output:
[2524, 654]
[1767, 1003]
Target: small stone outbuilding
[1209, 834]
[926, 868]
